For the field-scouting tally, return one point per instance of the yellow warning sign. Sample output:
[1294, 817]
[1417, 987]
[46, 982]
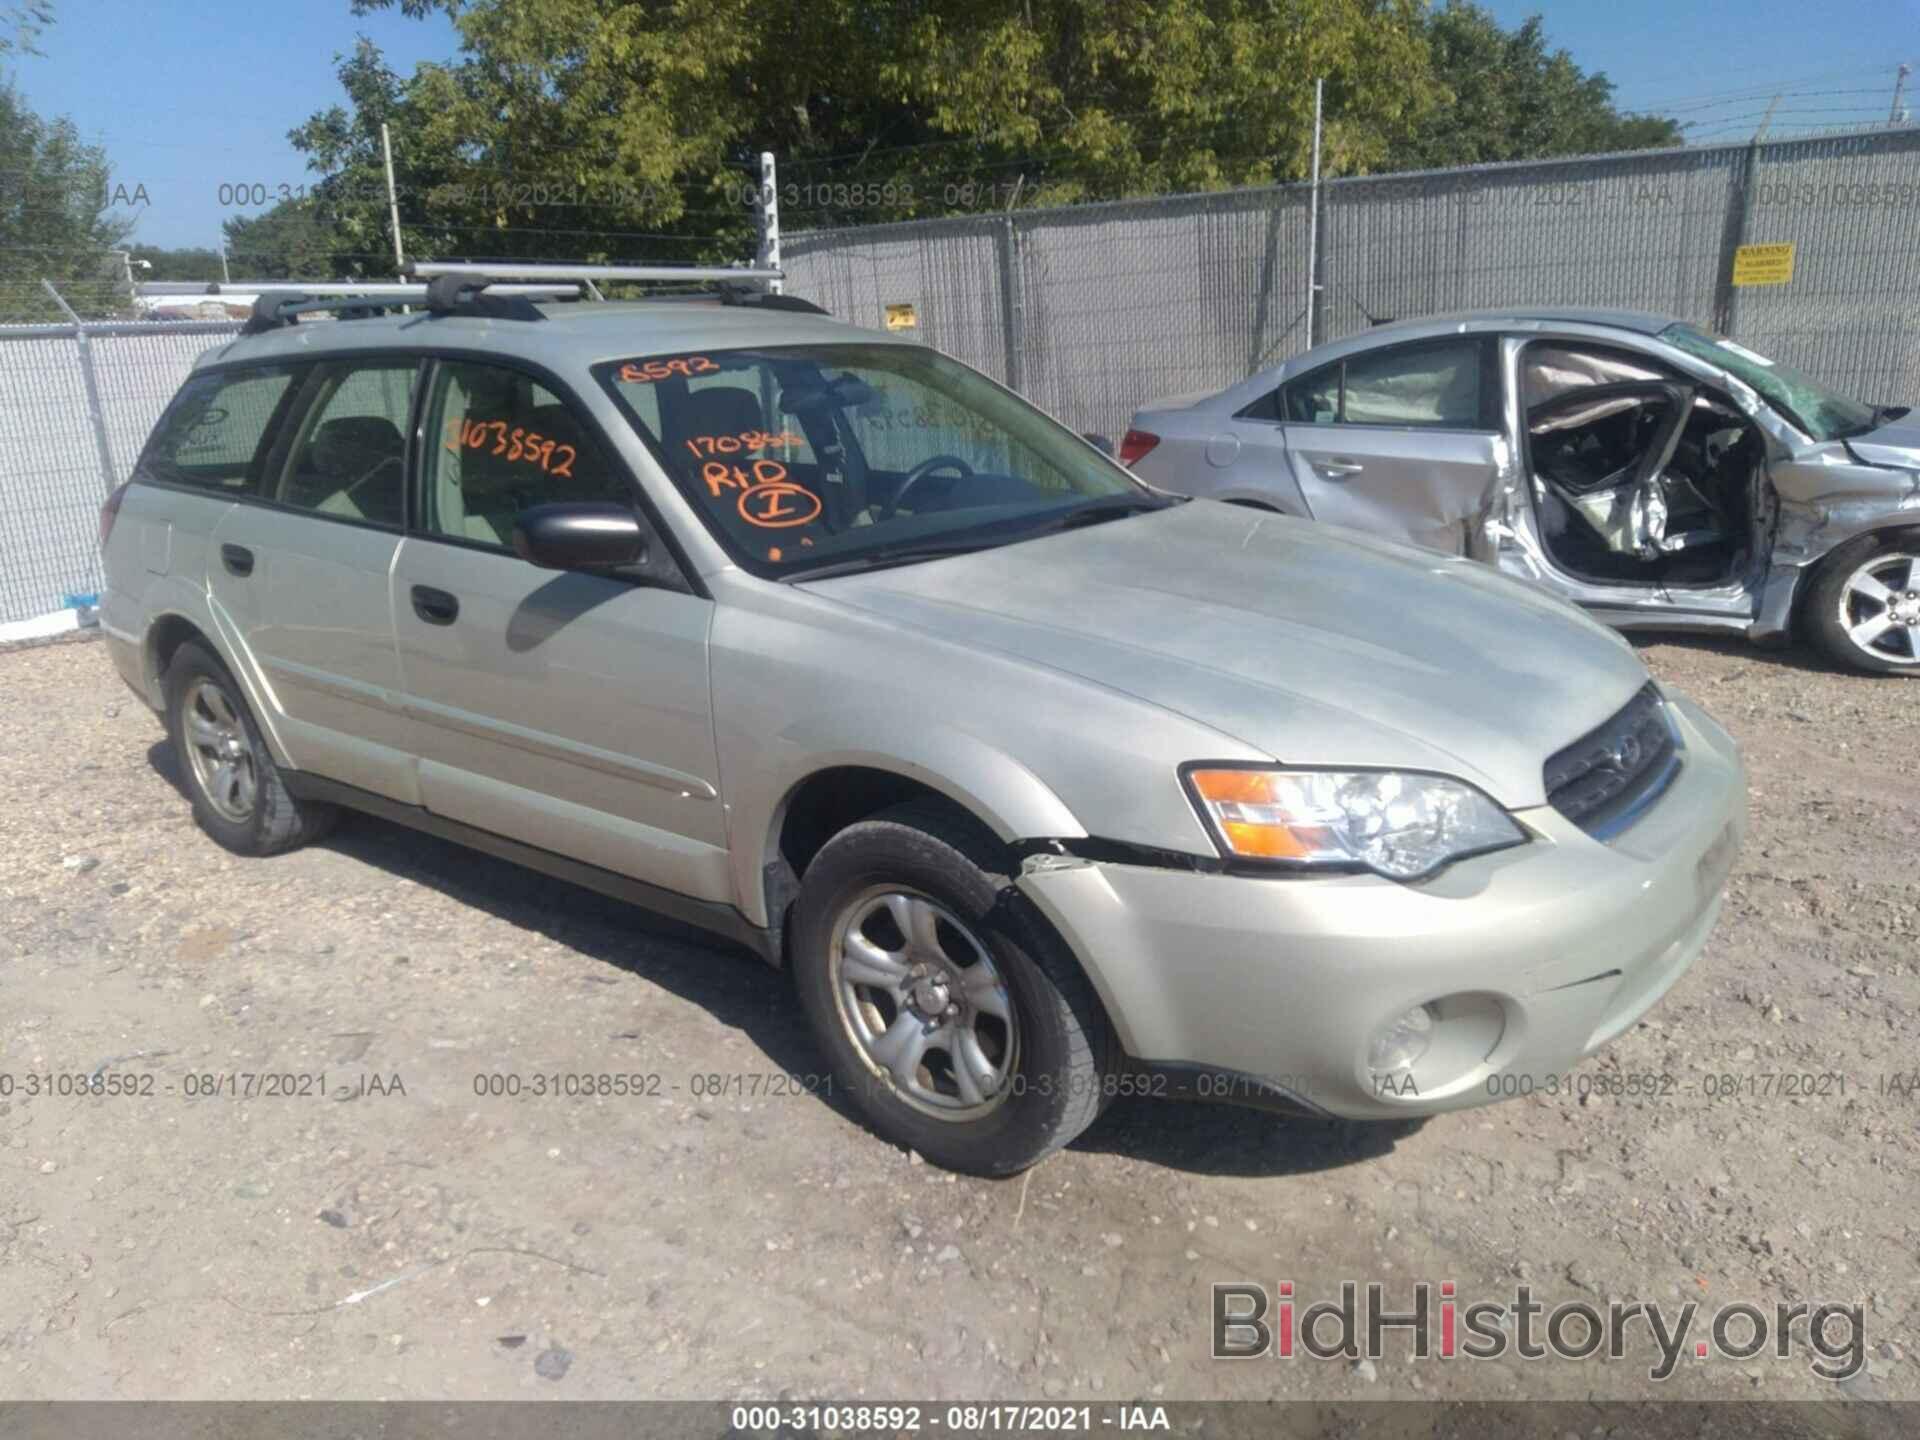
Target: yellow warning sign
[902, 317]
[1763, 265]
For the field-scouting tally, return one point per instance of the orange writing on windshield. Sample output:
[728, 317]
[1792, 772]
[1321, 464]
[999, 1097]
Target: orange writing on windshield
[745, 440]
[645, 372]
[767, 497]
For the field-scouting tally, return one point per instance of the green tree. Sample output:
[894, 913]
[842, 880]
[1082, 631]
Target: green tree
[55, 221]
[1513, 98]
[616, 129]
[619, 130]
[20, 26]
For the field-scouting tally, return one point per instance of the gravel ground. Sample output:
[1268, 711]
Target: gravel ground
[406, 1237]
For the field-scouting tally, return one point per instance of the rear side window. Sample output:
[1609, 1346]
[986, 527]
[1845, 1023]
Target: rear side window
[1447, 385]
[217, 431]
[349, 458]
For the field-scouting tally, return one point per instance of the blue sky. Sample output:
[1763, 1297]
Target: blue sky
[187, 95]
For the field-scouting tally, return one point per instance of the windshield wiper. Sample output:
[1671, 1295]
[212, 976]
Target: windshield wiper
[887, 555]
[1107, 507]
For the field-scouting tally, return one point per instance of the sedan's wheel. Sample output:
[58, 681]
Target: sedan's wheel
[238, 794]
[1865, 607]
[952, 1015]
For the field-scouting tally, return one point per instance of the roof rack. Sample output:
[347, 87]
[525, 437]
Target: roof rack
[732, 284]
[583, 272]
[284, 303]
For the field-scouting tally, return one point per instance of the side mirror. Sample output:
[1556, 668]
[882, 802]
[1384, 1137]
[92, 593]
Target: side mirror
[581, 536]
[1099, 442]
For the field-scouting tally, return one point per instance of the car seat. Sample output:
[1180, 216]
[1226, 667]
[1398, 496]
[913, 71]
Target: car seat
[357, 463]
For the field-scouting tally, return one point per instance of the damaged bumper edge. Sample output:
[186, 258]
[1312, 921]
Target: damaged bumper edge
[1274, 992]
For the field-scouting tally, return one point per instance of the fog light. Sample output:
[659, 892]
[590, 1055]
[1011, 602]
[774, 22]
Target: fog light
[1399, 1044]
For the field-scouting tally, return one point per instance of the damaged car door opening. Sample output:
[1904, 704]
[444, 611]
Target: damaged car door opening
[1658, 475]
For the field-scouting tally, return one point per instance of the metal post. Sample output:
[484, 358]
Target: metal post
[769, 208]
[1013, 309]
[225, 278]
[1746, 180]
[393, 201]
[1313, 226]
[96, 412]
[1894, 117]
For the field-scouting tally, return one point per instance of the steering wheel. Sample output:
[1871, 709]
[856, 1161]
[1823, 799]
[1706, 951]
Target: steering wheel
[920, 472]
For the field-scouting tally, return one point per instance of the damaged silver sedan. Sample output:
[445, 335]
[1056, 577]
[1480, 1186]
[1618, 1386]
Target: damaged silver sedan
[1658, 475]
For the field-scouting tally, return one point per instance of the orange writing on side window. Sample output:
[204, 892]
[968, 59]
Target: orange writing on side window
[516, 442]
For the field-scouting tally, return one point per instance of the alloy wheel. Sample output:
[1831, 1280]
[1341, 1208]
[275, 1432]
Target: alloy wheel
[218, 750]
[1880, 608]
[924, 1003]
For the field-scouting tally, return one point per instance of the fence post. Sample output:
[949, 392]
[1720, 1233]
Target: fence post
[1315, 323]
[96, 412]
[1726, 299]
[1013, 307]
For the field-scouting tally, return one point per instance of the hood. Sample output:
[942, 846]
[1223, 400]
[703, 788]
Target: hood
[1895, 443]
[1313, 644]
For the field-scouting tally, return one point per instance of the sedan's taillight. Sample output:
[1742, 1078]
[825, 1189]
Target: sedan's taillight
[109, 512]
[1136, 443]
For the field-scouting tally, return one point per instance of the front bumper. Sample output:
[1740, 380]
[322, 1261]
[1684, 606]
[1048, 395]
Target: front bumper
[1537, 956]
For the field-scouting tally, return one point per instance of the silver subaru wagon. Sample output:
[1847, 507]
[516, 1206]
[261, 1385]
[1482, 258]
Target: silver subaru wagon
[1047, 786]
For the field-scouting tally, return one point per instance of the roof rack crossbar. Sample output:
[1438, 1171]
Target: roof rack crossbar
[282, 304]
[399, 291]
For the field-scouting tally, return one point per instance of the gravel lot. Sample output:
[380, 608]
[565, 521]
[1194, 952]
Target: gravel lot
[435, 1243]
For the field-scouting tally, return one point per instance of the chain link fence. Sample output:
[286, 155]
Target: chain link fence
[76, 403]
[1092, 310]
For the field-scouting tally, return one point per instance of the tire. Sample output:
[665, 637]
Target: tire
[1842, 608]
[245, 806]
[920, 887]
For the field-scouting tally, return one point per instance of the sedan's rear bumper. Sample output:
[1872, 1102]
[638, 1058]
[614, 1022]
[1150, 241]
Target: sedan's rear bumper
[1533, 957]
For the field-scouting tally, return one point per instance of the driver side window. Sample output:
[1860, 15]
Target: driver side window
[498, 442]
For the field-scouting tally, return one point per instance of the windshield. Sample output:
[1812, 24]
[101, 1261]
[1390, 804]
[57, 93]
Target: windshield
[1811, 407]
[799, 457]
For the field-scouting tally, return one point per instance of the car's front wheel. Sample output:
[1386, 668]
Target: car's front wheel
[951, 1014]
[1864, 608]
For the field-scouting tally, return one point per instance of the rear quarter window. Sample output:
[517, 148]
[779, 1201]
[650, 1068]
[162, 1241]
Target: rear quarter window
[216, 433]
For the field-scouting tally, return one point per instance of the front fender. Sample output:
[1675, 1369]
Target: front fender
[802, 685]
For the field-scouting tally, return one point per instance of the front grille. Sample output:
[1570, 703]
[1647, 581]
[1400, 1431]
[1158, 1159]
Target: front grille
[1613, 772]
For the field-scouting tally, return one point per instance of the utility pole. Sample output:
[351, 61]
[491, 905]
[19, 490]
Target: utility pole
[1313, 222]
[1896, 115]
[225, 277]
[769, 207]
[393, 202]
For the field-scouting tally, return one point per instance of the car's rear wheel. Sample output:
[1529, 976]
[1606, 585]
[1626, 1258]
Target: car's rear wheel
[952, 1016]
[237, 792]
[1864, 608]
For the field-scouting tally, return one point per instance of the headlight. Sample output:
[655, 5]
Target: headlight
[1401, 824]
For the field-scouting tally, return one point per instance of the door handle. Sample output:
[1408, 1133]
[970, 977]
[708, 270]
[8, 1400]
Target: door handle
[436, 607]
[238, 560]
[1338, 467]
